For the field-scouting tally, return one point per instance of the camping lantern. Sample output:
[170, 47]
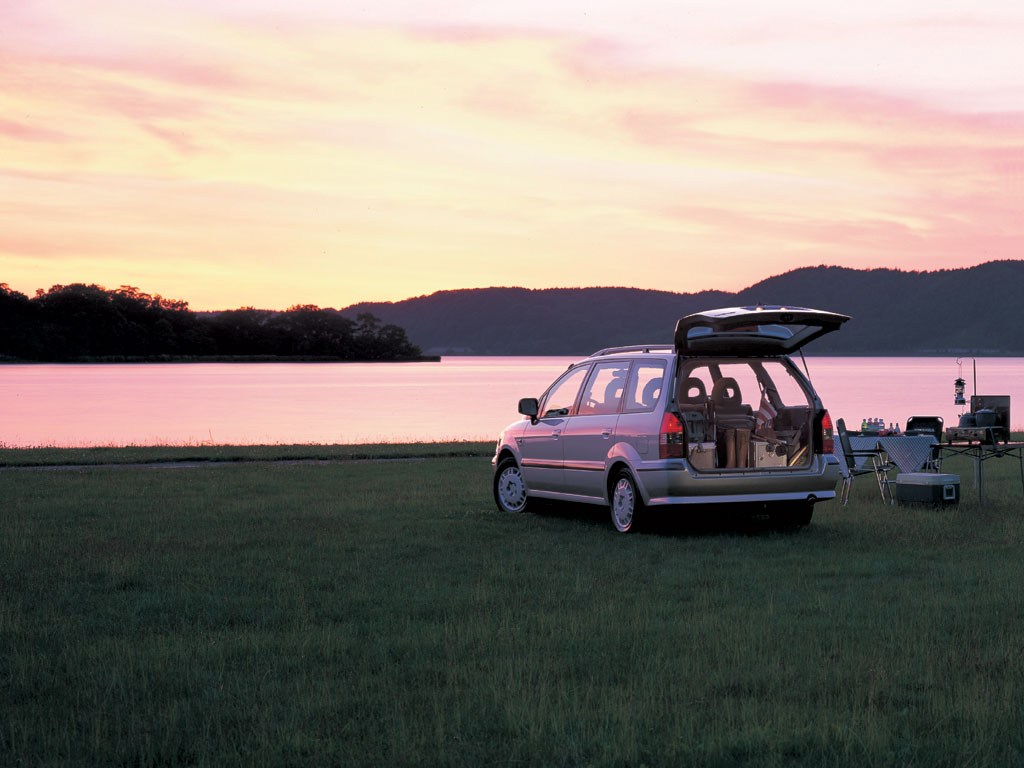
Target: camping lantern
[960, 384]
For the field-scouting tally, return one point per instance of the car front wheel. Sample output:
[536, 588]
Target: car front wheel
[510, 488]
[626, 502]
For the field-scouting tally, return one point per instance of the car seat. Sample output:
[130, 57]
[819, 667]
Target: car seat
[734, 423]
[693, 392]
[693, 403]
[651, 393]
[613, 393]
[730, 410]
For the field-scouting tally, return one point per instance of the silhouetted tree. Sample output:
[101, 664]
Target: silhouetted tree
[245, 331]
[309, 330]
[69, 322]
[375, 341]
[81, 320]
[16, 320]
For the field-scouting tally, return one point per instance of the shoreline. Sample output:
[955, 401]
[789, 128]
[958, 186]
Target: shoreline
[171, 359]
[210, 455]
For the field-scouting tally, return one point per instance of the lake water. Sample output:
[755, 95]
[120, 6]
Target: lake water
[460, 398]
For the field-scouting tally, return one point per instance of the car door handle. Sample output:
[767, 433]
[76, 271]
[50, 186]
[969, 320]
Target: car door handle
[606, 434]
[555, 434]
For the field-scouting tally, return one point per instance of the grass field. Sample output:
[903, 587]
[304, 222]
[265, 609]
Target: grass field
[359, 613]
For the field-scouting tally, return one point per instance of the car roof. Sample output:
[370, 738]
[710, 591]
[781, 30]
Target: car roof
[645, 349]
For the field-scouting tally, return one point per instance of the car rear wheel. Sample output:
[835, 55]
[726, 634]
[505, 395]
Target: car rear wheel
[626, 502]
[793, 516]
[510, 493]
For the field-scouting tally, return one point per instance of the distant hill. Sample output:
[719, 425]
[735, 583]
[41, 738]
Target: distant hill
[969, 311]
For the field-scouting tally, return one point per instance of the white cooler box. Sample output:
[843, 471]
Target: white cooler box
[927, 488]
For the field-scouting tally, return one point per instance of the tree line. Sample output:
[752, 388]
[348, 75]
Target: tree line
[965, 311]
[80, 322]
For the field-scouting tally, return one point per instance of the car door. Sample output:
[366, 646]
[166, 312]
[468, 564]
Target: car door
[640, 421]
[590, 433]
[540, 444]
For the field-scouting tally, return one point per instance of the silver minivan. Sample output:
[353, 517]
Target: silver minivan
[721, 416]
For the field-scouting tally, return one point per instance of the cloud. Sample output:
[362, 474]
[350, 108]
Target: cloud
[13, 129]
[346, 161]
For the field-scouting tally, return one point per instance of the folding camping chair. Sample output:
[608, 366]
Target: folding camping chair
[864, 462]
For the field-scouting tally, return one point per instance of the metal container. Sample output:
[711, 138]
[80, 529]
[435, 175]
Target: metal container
[702, 455]
[766, 454]
[985, 417]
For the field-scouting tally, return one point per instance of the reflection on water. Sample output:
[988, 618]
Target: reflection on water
[460, 398]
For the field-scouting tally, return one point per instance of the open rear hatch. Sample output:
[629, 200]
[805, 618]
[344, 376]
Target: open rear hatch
[760, 330]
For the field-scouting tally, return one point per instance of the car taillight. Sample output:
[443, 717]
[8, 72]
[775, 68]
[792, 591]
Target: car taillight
[672, 439]
[828, 443]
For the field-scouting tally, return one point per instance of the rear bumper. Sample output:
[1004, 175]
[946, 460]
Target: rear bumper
[676, 482]
[749, 498]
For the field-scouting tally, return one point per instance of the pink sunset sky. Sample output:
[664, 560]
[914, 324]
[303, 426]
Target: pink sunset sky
[270, 153]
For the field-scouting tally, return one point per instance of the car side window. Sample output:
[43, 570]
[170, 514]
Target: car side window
[645, 384]
[605, 388]
[561, 396]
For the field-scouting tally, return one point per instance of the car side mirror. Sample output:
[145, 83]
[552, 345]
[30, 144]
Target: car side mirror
[529, 406]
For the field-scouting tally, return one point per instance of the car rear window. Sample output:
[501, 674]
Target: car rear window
[751, 378]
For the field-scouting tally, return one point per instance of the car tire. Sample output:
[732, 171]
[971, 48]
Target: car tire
[625, 502]
[510, 491]
[802, 515]
[794, 517]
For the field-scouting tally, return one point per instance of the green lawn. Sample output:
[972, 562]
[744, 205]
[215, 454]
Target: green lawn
[363, 613]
